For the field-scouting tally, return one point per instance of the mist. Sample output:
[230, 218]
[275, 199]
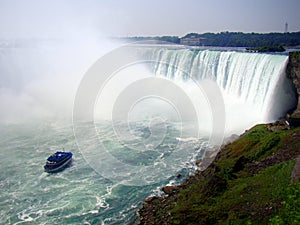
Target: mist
[45, 49]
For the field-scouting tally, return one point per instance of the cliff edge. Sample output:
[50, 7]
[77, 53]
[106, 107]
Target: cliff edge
[293, 72]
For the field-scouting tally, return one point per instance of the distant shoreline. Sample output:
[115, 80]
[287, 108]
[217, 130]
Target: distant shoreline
[226, 39]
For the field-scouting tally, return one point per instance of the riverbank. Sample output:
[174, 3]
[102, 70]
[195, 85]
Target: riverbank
[250, 181]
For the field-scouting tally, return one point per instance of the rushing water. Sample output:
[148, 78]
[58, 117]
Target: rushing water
[251, 78]
[78, 195]
[253, 85]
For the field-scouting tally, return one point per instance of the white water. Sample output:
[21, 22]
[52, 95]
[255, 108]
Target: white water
[254, 86]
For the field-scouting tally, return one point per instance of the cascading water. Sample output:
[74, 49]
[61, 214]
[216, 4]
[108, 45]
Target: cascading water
[254, 85]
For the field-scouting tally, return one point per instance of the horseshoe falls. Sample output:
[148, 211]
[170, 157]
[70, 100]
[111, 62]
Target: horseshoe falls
[253, 86]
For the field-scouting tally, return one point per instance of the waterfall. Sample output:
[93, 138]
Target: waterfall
[252, 79]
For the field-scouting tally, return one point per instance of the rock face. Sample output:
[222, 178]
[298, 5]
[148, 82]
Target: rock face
[169, 190]
[293, 72]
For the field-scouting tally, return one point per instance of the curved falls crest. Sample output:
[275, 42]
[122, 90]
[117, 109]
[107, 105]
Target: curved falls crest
[254, 80]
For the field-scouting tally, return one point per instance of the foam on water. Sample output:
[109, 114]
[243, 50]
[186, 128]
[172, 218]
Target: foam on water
[77, 195]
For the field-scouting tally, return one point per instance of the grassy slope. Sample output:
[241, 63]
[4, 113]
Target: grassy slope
[248, 183]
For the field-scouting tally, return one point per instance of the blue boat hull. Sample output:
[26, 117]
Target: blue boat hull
[58, 162]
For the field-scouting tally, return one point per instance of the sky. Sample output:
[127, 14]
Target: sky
[50, 19]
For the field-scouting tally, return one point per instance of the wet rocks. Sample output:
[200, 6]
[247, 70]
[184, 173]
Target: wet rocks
[169, 190]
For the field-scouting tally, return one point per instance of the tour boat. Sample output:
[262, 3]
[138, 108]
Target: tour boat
[58, 161]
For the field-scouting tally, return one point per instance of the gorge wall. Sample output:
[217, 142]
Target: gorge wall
[293, 72]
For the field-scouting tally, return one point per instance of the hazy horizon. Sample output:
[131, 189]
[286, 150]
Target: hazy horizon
[54, 19]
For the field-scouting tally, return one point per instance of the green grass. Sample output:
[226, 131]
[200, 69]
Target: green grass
[229, 194]
[247, 199]
[290, 212]
[255, 145]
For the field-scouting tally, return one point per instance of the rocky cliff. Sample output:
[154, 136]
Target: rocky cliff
[293, 72]
[254, 180]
